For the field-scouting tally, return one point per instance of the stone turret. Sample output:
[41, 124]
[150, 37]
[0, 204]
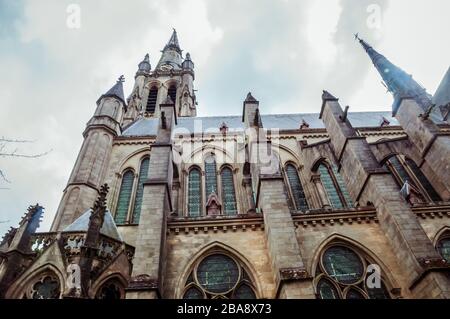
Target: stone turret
[93, 159]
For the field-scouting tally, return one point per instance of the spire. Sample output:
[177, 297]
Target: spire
[173, 42]
[171, 58]
[145, 66]
[116, 91]
[397, 81]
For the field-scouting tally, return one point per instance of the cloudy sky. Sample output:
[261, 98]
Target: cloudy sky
[284, 51]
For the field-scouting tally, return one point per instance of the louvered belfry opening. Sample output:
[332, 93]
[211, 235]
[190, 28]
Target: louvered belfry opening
[172, 92]
[151, 101]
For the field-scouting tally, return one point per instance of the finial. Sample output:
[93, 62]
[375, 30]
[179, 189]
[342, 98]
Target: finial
[121, 79]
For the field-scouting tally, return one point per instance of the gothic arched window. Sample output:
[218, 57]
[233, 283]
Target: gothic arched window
[343, 273]
[228, 193]
[210, 176]
[443, 247]
[172, 92]
[111, 290]
[296, 188]
[143, 174]
[45, 286]
[151, 100]
[334, 187]
[405, 170]
[218, 276]
[123, 203]
[194, 193]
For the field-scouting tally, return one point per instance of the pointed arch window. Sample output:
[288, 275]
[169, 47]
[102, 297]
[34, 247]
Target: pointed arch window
[404, 169]
[123, 202]
[172, 92]
[143, 174]
[194, 193]
[228, 192]
[219, 276]
[343, 273]
[334, 186]
[151, 100]
[296, 187]
[210, 176]
[443, 247]
[111, 290]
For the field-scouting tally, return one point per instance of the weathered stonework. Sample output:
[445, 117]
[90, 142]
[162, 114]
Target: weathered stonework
[274, 225]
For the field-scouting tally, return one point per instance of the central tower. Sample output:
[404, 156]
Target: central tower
[173, 77]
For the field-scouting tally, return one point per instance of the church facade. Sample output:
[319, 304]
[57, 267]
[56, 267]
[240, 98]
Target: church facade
[164, 204]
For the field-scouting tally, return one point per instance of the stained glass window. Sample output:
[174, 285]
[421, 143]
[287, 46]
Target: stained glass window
[193, 293]
[326, 290]
[172, 92]
[330, 187]
[296, 188]
[343, 187]
[219, 276]
[143, 174]
[228, 194]
[210, 176]
[444, 248]
[354, 294]
[423, 181]
[47, 288]
[194, 193]
[123, 202]
[244, 292]
[342, 272]
[342, 264]
[151, 101]
[402, 174]
[218, 273]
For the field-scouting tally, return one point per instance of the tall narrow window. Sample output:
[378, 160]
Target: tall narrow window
[342, 187]
[434, 196]
[210, 176]
[330, 187]
[151, 101]
[228, 194]
[143, 174]
[172, 92]
[296, 188]
[443, 247]
[404, 169]
[123, 202]
[194, 193]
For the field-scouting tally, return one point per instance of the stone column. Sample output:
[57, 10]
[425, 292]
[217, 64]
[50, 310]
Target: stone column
[290, 274]
[149, 262]
[368, 181]
[433, 144]
[320, 192]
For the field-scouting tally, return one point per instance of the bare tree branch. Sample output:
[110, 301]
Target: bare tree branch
[8, 140]
[3, 176]
[4, 152]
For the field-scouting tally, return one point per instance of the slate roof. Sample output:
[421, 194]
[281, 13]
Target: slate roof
[149, 126]
[109, 227]
[115, 91]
